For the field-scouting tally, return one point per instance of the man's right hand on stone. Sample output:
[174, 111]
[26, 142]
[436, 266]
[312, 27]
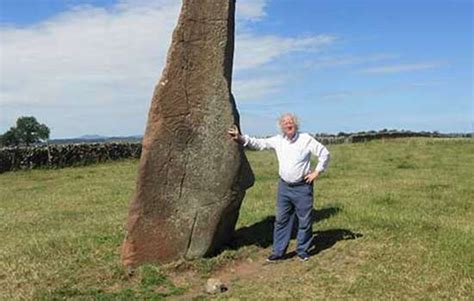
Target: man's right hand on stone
[235, 134]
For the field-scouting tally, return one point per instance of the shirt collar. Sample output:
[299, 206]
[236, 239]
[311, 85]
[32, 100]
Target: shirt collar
[295, 137]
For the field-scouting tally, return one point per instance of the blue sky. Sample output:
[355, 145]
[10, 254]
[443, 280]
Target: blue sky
[89, 67]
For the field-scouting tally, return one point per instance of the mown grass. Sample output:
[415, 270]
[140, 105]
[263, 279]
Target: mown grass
[394, 220]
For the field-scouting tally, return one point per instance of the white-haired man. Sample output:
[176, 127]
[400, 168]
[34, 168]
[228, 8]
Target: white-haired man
[295, 187]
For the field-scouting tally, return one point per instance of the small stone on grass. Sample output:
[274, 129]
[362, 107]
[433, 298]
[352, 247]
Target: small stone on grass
[214, 286]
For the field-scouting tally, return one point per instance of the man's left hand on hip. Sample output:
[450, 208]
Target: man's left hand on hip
[309, 178]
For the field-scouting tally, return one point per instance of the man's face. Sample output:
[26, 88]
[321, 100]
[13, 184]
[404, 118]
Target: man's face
[288, 126]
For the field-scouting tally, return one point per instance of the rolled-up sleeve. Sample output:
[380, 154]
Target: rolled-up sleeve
[322, 153]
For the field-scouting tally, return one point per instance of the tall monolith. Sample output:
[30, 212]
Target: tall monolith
[192, 176]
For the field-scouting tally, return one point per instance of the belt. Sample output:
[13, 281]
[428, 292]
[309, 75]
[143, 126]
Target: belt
[302, 182]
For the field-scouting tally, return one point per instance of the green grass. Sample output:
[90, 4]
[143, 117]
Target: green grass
[395, 220]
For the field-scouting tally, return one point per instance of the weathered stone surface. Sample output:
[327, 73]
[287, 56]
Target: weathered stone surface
[192, 176]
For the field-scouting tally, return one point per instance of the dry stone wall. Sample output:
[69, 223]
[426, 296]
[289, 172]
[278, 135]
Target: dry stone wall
[58, 156]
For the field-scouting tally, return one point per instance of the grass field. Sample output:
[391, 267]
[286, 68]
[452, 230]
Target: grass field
[394, 220]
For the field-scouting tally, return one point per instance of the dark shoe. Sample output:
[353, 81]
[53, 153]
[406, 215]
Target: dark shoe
[274, 258]
[303, 257]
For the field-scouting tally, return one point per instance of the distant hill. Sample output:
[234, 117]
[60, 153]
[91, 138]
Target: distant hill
[92, 137]
[97, 139]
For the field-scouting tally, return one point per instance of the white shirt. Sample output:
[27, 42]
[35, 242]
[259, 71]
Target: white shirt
[293, 155]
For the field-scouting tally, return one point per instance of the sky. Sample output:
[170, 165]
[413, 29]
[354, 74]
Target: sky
[89, 67]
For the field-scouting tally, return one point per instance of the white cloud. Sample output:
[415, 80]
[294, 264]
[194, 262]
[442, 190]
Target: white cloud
[392, 89]
[105, 59]
[337, 96]
[400, 68]
[251, 10]
[253, 51]
[430, 83]
[83, 52]
[337, 61]
[256, 89]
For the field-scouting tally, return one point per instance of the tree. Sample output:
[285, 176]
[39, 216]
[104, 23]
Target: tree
[28, 130]
[10, 137]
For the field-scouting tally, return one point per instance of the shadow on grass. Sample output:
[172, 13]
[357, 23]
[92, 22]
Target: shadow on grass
[261, 233]
[323, 240]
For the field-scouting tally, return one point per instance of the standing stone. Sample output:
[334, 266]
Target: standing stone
[192, 176]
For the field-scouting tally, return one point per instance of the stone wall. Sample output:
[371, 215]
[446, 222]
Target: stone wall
[58, 156]
[16, 158]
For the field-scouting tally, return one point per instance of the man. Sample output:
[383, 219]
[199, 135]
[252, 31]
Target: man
[295, 187]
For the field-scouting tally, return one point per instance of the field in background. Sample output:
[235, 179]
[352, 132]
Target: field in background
[394, 219]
